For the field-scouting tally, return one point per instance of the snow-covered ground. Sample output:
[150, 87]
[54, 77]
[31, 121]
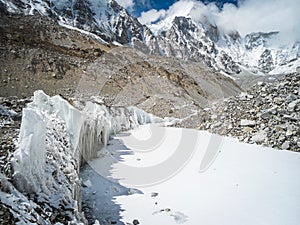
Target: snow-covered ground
[160, 175]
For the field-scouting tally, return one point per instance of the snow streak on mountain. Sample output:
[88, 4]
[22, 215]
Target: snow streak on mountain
[181, 34]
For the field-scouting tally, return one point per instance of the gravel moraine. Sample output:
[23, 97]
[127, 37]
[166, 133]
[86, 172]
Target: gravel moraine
[10, 122]
[267, 114]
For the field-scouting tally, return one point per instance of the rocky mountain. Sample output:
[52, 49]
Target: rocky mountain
[104, 18]
[180, 36]
[200, 39]
[261, 52]
[188, 40]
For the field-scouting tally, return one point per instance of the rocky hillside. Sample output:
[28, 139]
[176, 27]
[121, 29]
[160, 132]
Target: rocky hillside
[37, 53]
[181, 37]
[267, 114]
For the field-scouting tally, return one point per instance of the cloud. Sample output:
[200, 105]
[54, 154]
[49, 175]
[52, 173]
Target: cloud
[180, 8]
[249, 16]
[151, 16]
[128, 4]
[267, 15]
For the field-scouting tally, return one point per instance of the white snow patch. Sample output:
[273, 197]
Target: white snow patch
[116, 43]
[61, 23]
[245, 184]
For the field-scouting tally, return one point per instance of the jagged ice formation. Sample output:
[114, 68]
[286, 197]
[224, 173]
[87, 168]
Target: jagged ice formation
[55, 139]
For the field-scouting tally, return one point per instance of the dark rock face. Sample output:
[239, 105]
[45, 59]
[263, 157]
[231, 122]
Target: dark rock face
[3, 9]
[83, 14]
[266, 61]
[256, 39]
[228, 63]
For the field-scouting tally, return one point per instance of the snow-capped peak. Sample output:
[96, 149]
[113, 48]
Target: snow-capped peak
[177, 10]
[182, 32]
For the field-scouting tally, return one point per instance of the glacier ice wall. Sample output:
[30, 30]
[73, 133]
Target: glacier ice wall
[56, 138]
[30, 157]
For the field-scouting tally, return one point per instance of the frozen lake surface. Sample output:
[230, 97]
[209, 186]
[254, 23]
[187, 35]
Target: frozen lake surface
[160, 175]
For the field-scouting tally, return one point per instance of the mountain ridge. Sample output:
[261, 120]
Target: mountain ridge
[180, 37]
